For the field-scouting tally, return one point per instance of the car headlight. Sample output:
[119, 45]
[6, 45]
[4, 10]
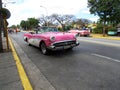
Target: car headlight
[52, 38]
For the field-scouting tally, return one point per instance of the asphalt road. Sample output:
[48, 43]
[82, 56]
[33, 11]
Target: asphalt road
[94, 65]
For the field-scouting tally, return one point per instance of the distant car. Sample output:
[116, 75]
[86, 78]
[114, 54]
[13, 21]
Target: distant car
[49, 38]
[80, 32]
[118, 31]
[112, 33]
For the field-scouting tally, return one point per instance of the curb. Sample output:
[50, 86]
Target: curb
[24, 79]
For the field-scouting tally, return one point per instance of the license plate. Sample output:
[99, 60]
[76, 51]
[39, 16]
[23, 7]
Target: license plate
[65, 47]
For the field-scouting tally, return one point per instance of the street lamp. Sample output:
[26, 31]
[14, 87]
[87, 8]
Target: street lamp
[8, 3]
[46, 13]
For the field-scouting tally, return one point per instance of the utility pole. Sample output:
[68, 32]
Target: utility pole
[1, 27]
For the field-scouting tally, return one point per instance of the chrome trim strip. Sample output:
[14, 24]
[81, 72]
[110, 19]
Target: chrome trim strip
[62, 41]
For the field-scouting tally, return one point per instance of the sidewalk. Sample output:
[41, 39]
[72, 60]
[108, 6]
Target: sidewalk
[9, 77]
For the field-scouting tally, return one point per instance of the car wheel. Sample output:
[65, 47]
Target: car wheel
[43, 48]
[29, 44]
[26, 40]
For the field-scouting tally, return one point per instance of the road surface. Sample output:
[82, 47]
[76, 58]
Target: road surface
[94, 65]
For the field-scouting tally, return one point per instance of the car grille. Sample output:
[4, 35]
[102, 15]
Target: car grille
[64, 43]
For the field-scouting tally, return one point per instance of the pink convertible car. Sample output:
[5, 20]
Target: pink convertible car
[80, 32]
[49, 38]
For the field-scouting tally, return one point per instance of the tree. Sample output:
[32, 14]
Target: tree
[23, 24]
[80, 23]
[63, 20]
[107, 10]
[30, 23]
[33, 22]
[56, 19]
[43, 20]
[14, 26]
[18, 26]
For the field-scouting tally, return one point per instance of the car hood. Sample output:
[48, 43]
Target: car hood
[59, 35]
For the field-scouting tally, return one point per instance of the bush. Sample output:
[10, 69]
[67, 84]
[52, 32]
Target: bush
[112, 29]
[96, 30]
[60, 29]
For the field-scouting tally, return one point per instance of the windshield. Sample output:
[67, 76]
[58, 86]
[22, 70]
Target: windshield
[47, 29]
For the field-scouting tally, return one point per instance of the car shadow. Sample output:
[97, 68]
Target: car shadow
[59, 53]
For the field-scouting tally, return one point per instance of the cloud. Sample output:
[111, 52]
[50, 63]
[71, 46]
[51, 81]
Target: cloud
[65, 6]
[85, 11]
[24, 9]
[94, 19]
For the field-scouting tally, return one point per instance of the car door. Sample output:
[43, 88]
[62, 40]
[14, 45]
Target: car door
[30, 39]
[36, 40]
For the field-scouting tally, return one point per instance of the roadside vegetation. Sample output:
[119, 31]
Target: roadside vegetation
[108, 12]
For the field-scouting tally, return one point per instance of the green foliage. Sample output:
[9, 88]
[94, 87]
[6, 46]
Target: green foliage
[23, 24]
[112, 29]
[98, 29]
[60, 29]
[18, 26]
[107, 10]
[68, 27]
[14, 26]
[33, 23]
[29, 24]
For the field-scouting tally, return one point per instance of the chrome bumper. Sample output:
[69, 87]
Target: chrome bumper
[54, 48]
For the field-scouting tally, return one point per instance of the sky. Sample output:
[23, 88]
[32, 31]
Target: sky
[24, 9]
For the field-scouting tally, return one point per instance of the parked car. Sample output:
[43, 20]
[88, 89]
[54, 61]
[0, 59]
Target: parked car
[80, 32]
[112, 33]
[118, 31]
[50, 39]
